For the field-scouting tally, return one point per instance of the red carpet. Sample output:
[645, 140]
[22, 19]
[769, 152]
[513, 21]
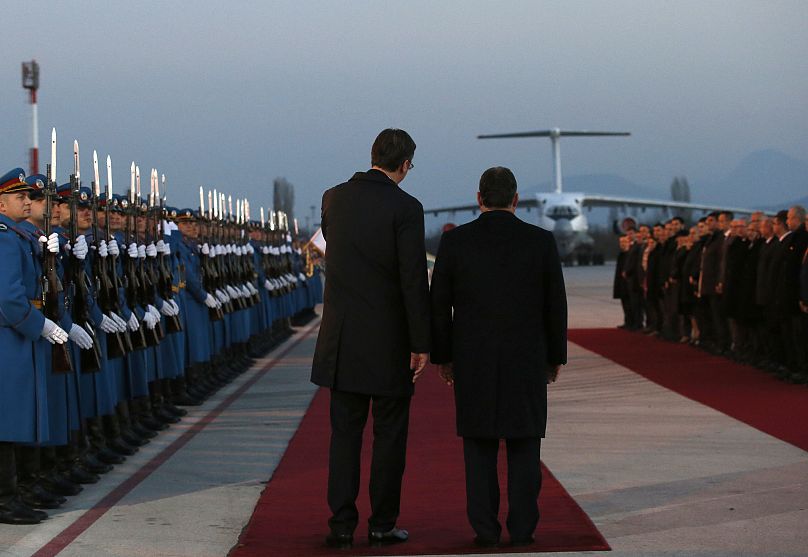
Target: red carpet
[290, 517]
[742, 392]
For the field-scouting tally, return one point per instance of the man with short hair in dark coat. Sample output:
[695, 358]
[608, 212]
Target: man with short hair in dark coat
[374, 338]
[499, 330]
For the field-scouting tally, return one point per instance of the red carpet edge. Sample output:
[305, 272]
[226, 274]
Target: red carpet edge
[739, 391]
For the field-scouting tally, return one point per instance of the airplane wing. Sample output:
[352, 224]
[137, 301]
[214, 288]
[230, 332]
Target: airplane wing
[610, 201]
[474, 208]
[551, 133]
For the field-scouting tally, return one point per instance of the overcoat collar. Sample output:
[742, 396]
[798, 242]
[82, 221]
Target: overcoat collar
[497, 214]
[374, 175]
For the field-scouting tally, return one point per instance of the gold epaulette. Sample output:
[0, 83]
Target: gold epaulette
[37, 304]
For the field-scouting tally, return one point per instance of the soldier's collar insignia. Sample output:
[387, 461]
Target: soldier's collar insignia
[3, 227]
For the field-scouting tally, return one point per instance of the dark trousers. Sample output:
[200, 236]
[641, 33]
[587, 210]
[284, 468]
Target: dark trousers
[8, 473]
[349, 413]
[482, 486]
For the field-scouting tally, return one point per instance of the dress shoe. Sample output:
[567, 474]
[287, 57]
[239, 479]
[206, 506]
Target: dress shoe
[108, 456]
[81, 475]
[185, 399]
[339, 541]
[121, 447]
[133, 439]
[522, 542]
[152, 423]
[162, 415]
[17, 512]
[91, 463]
[36, 497]
[60, 485]
[485, 542]
[394, 535]
[142, 431]
[173, 410]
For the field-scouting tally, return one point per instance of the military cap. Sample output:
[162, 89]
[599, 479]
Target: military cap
[170, 213]
[37, 183]
[64, 192]
[185, 215]
[13, 181]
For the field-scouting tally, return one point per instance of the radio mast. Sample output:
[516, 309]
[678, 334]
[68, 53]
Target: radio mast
[30, 81]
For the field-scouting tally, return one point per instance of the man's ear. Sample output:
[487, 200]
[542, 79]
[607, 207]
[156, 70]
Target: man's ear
[480, 200]
[515, 200]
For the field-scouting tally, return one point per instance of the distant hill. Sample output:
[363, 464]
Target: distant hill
[763, 178]
[605, 184]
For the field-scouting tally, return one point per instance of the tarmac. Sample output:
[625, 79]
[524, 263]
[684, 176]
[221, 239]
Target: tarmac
[659, 474]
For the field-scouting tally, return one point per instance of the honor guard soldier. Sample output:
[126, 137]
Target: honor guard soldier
[23, 402]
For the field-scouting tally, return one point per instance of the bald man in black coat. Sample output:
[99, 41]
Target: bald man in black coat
[499, 331]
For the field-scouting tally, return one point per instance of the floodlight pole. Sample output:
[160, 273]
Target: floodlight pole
[30, 81]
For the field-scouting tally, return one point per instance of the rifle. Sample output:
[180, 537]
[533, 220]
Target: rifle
[131, 279]
[113, 259]
[107, 293]
[80, 292]
[206, 265]
[146, 292]
[165, 279]
[51, 285]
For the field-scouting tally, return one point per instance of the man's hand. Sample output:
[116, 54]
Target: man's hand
[417, 364]
[552, 374]
[446, 372]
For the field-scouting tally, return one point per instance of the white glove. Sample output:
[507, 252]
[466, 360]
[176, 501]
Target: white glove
[251, 287]
[212, 253]
[220, 249]
[232, 292]
[112, 248]
[175, 306]
[151, 250]
[80, 249]
[150, 320]
[133, 323]
[268, 285]
[80, 337]
[222, 297]
[141, 251]
[205, 249]
[132, 251]
[245, 292]
[51, 243]
[302, 277]
[167, 309]
[153, 310]
[161, 246]
[118, 321]
[230, 248]
[53, 333]
[250, 249]
[167, 249]
[103, 251]
[238, 250]
[265, 250]
[108, 325]
[211, 302]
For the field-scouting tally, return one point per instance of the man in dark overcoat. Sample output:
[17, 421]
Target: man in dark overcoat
[499, 331]
[374, 338]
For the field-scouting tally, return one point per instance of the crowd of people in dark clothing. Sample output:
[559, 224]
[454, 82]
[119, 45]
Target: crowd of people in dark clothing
[733, 286]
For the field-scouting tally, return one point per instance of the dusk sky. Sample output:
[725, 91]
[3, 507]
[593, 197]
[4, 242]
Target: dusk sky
[234, 94]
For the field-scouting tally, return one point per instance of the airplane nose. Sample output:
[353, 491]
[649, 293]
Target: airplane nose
[563, 226]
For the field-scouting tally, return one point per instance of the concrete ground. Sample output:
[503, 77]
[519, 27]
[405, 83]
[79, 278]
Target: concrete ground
[659, 474]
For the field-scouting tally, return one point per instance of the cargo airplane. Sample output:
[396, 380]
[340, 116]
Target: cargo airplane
[563, 212]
